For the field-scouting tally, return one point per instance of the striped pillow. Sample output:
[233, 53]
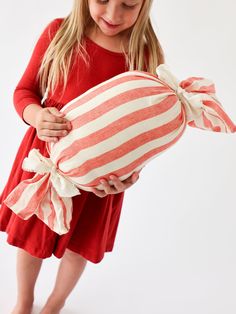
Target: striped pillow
[118, 126]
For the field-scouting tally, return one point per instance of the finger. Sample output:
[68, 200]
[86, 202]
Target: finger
[135, 176]
[130, 180]
[56, 112]
[106, 186]
[52, 115]
[119, 185]
[52, 133]
[98, 192]
[48, 139]
[55, 126]
[48, 117]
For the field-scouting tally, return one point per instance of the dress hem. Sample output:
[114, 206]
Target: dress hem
[17, 243]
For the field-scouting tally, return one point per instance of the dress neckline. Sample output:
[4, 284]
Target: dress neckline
[116, 53]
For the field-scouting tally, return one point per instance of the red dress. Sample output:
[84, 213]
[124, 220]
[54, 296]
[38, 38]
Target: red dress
[95, 220]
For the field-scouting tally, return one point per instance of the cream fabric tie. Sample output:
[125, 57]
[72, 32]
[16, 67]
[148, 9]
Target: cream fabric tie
[193, 102]
[36, 162]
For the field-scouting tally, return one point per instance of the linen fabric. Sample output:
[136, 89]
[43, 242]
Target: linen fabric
[118, 127]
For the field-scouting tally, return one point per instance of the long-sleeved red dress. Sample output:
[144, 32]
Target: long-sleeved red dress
[95, 220]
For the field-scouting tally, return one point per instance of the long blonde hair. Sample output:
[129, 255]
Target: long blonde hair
[56, 62]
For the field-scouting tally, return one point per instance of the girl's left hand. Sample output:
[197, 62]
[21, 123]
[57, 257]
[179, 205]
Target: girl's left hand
[119, 186]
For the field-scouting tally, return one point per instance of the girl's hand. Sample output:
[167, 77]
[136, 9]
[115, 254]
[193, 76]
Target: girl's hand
[119, 186]
[51, 124]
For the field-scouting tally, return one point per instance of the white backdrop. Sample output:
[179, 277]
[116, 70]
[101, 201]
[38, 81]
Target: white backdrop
[175, 247]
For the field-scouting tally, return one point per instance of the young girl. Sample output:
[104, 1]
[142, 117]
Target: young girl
[98, 40]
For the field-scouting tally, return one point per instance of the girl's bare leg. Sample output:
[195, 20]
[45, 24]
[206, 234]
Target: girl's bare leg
[70, 270]
[27, 270]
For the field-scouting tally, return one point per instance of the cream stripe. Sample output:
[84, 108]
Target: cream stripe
[216, 121]
[200, 83]
[68, 204]
[107, 95]
[100, 122]
[127, 159]
[46, 207]
[58, 222]
[27, 194]
[124, 74]
[120, 138]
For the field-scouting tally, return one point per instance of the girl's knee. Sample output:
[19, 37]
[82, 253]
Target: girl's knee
[73, 255]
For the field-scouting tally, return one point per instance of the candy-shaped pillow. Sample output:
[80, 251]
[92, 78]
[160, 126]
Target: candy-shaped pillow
[118, 127]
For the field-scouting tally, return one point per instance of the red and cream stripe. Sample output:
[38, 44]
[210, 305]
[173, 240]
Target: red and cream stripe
[118, 127]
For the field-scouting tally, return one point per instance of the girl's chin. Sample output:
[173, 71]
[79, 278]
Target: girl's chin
[108, 33]
[108, 28]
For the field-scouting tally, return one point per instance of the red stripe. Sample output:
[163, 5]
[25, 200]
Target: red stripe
[127, 147]
[192, 86]
[64, 210]
[189, 81]
[15, 196]
[100, 89]
[129, 168]
[115, 102]
[44, 208]
[192, 124]
[222, 115]
[40, 213]
[208, 124]
[116, 127]
[36, 198]
[210, 89]
[52, 216]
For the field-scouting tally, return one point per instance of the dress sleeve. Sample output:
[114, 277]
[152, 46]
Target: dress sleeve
[27, 90]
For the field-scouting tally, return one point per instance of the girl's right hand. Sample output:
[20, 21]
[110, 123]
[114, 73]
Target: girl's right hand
[51, 124]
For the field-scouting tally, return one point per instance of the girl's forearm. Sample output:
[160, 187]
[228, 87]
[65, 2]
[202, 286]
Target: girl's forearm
[30, 112]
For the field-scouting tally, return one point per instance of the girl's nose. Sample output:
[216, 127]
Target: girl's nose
[113, 14]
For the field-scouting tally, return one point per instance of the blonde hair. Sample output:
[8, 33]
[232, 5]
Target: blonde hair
[56, 62]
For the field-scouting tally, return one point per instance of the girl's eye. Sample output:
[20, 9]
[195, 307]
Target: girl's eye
[124, 4]
[102, 1]
[129, 6]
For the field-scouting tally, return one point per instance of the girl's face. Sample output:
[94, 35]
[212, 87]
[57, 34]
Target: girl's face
[114, 16]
